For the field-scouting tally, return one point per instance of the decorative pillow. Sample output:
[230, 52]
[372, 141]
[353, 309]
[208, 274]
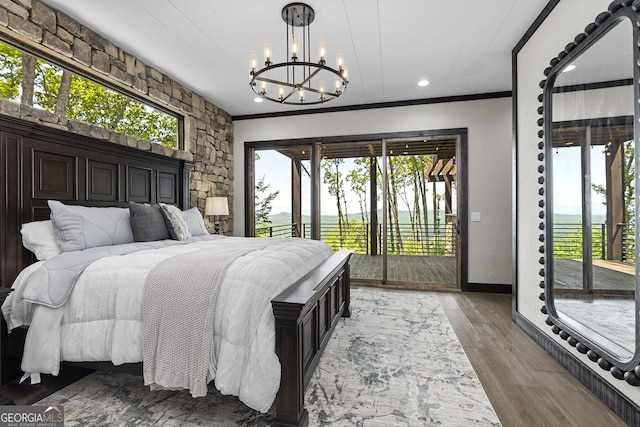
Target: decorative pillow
[81, 227]
[176, 224]
[39, 238]
[194, 220]
[147, 222]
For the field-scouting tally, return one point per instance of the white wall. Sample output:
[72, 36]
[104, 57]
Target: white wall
[568, 19]
[489, 162]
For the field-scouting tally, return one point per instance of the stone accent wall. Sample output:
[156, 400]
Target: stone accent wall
[208, 130]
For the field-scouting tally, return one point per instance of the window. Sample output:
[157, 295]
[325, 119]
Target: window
[33, 81]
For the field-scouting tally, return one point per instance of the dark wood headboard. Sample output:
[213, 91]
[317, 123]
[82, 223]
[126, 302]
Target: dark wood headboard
[39, 163]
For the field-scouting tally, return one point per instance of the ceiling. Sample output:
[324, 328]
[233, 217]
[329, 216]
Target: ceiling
[462, 47]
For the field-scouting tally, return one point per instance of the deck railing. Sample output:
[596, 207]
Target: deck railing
[404, 239]
[282, 230]
[567, 241]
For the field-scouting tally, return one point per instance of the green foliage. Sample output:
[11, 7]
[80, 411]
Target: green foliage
[355, 236]
[628, 148]
[10, 72]
[263, 205]
[407, 184]
[333, 178]
[358, 179]
[47, 82]
[88, 102]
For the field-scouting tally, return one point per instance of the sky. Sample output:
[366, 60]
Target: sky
[567, 181]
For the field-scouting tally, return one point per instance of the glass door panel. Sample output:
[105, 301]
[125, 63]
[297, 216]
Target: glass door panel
[422, 238]
[567, 218]
[282, 191]
[349, 201]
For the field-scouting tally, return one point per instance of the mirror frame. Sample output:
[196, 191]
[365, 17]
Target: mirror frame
[576, 334]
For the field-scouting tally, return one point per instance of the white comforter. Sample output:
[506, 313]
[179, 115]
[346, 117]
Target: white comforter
[102, 318]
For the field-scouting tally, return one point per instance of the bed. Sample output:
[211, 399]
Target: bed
[42, 164]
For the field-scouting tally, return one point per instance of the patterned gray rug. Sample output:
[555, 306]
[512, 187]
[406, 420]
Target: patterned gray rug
[395, 362]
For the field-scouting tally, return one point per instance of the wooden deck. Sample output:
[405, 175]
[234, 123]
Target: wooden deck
[405, 268]
[607, 275]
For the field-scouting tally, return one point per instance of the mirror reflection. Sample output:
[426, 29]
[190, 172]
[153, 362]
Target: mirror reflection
[592, 193]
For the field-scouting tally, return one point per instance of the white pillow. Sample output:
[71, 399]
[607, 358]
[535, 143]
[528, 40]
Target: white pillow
[81, 227]
[194, 220]
[39, 238]
[176, 224]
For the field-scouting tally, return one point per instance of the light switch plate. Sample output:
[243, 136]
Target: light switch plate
[476, 216]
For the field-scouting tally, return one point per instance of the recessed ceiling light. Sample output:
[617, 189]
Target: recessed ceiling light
[258, 99]
[569, 67]
[423, 83]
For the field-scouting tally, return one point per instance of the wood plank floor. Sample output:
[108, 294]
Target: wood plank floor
[405, 268]
[524, 384]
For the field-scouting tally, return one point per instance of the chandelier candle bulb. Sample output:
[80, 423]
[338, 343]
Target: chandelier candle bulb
[294, 48]
[322, 50]
[267, 53]
[301, 95]
[253, 62]
[340, 60]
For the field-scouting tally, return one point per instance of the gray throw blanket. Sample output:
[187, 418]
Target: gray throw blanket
[178, 306]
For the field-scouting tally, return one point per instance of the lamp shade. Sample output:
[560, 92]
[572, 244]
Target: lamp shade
[216, 206]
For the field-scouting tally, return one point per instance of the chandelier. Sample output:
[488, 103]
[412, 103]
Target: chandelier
[299, 80]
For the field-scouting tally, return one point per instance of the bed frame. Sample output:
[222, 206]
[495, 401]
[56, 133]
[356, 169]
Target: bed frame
[39, 163]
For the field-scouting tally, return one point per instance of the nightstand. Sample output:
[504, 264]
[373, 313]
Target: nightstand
[4, 293]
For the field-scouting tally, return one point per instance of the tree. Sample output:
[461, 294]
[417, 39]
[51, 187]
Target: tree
[392, 201]
[358, 179]
[10, 72]
[629, 192]
[28, 78]
[264, 199]
[334, 180]
[263, 202]
[63, 93]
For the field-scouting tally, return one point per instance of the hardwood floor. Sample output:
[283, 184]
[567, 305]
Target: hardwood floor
[524, 384]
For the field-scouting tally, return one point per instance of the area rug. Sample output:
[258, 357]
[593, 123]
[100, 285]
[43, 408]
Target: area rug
[395, 362]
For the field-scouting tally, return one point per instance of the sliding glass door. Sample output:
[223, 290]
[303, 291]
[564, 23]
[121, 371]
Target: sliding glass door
[393, 202]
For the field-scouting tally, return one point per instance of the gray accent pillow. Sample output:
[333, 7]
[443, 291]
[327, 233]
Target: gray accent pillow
[176, 224]
[80, 227]
[147, 222]
[194, 220]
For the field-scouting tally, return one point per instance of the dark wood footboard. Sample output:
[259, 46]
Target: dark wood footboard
[306, 314]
